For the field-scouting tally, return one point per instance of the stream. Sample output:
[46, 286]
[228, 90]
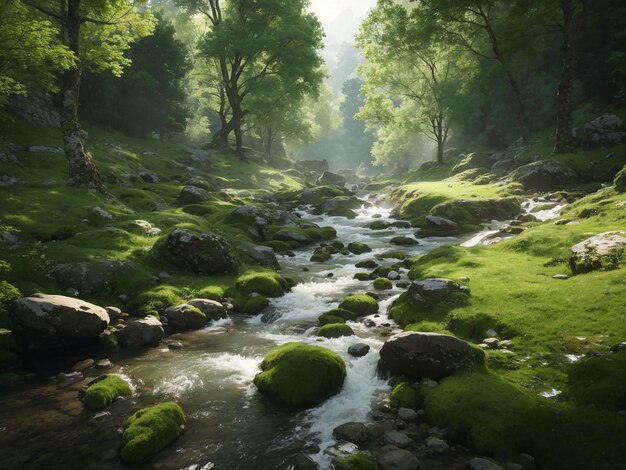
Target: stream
[230, 425]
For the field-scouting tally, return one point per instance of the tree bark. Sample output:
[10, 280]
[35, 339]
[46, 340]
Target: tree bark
[564, 139]
[82, 169]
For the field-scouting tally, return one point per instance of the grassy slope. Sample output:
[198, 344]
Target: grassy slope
[499, 411]
[56, 223]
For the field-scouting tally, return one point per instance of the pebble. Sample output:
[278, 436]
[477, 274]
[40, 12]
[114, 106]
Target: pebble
[560, 276]
[358, 349]
[407, 414]
[175, 345]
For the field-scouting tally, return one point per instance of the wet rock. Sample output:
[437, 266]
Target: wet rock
[212, 309]
[354, 432]
[478, 463]
[379, 225]
[201, 252]
[404, 241]
[175, 345]
[304, 462]
[393, 275]
[104, 364]
[603, 251]
[82, 366]
[185, 317]
[427, 355]
[544, 175]
[369, 264]
[320, 255]
[329, 178]
[264, 255]
[436, 445]
[69, 377]
[93, 277]
[141, 333]
[397, 438]
[358, 349]
[398, 460]
[53, 321]
[432, 290]
[407, 414]
[358, 248]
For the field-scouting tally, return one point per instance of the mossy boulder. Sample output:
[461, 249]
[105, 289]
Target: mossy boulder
[335, 330]
[300, 376]
[268, 284]
[192, 195]
[544, 175]
[346, 315]
[604, 251]
[358, 248]
[403, 395]
[102, 391]
[382, 283]
[361, 305]
[326, 319]
[466, 211]
[199, 251]
[255, 304]
[361, 276]
[185, 317]
[471, 162]
[392, 254]
[150, 430]
[368, 264]
[357, 461]
[404, 241]
[320, 255]
[379, 225]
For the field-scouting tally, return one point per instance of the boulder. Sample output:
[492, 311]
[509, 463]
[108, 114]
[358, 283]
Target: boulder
[212, 309]
[360, 305]
[329, 178]
[358, 248]
[359, 349]
[339, 205]
[502, 167]
[602, 251]
[102, 391]
[307, 166]
[397, 438]
[259, 219]
[185, 317]
[472, 161]
[335, 330]
[606, 130]
[43, 322]
[441, 224]
[427, 355]
[432, 290]
[201, 252]
[620, 181]
[300, 376]
[398, 460]
[141, 333]
[191, 195]
[354, 432]
[92, 277]
[264, 255]
[544, 175]
[476, 211]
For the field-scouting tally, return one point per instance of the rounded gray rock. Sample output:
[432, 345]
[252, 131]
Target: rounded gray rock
[398, 460]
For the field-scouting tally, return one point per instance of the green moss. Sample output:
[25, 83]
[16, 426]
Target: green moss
[403, 395]
[212, 293]
[357, 461]
[102, 393]
[342, 313]
[320, 256]
[403, 241]
[358, 248]
[268, 284]
[335, 330]
[8, 294]
[392, 254]
[599, 381]
[361, 277]
[326, 319]
[382, 283]
[150, 430]
[255, 305]
[368, 264]
[301, 376]
[361, 305]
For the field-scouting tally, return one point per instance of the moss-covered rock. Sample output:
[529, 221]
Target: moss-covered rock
[255, 304]
[368, 264]
[358, 248]
[357, 461]
[185, 317]
[326, 319]
[104, 390]
[300, 376]
[392, 254]
[268, 284]
[362, 305]
[403, 395]
[404, 241]
[382, 283]
[361, 277]
[346, 315]
[467, 211]
[200, 251]
[320, 255]
[335, 330]
[473, 161]
[150, 430]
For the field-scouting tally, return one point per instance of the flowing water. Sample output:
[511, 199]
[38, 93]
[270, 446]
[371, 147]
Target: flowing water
[230, 425]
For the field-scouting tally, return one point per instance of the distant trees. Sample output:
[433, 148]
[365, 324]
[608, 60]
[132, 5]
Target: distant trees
[252, 41]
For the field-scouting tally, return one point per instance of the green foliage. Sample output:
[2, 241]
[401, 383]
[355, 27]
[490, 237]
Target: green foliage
[300, 376]
[403, 395]
[8, 293]
[335, 330]
[356, 461]
[102, 393]
[361, 305]
[599, 381]
[150, 430]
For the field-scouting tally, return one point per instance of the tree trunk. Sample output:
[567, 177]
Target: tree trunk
[82, 169]
[520, 106]
[564, 139]
[440, 140]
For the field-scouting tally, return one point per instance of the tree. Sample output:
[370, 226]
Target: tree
[150, 97]
[255, 39]
[404, 65]
[356, 140]
[30, 54]
[97, 33]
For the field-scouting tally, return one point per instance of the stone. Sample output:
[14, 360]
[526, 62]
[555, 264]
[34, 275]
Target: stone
[502, 167]
[264, 255]
[84, 365]
[432, 290]
[397, 438]
[478, 463]
[404, 241]
[148, 177]
[441, 224]
[69, 377]
[606, 130]
[407, 414]
[201, 252]
[436, 444]
[317, 166]
[91, 277]
[358, 349]
[562, 277]
[304, 462]
[427, 355]
[467, 211]
[471, 162]
[544, 175]
[212, 309]
[329, 178]
[175, 345]
[398, 460]
[358, 248]
[114, 313]
[43, 322]
[602, 251]
[141, 333]
[191, 195]
[104, 364]
[492, 343]
[185, 317]
[354, 432]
